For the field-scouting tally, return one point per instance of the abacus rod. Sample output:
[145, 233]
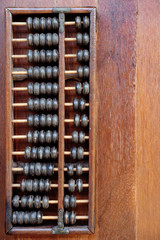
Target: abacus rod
[55, 217]
[25, 120]
[25, 56]
[25, 24]
[25, 88]
[56, 201]
[26, 73]
[20, 169]
[17, 185]
[24, 137]
[25, 104]
[20, 153]
[73, 39]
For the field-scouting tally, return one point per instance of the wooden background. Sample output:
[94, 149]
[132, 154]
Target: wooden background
[128, 131]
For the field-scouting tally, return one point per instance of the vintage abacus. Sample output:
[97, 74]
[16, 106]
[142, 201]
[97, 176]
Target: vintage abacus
[50, 112]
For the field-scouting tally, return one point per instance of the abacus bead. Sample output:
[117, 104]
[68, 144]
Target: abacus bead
[75, 136]
[36, 39]
[75, 104]
[47, 152]
[42, 39]
[49, 39]
[55, 23]
[49, 23]
[79, 55]
[82, 104]
[24, 201]
[85, 22]
[55, 88]
[72, 218]
[29, 137]
[49, 72]
[36, 23]
[84, 120]
[42, 104]
[30, 72]
[30, 104]
[49, 104]
[50, 169]
[72, 201]
[85, 71]
[34, 153]
[32, 219]
[40, 153]
[85, 88]
[15, 201]
[77, 120]
[37, 202]
[73, 153]
[30, 39]
[55, 120]
[38, 169]
[14, 217]
[79, 39]
[29, 185]
[54, 55]
[39, 217]
[42, 23]
[42, 73]
[26, 169]
[42, 54]
[49, 120]
[41, 185]
[36, 56]
[45, 202]
[66, 217]
[44, 169]
[27, 154]
[36, 120]
[23, 185]
[30, 200]
[20, 218]
[55, 136]
[30, 56]
[35, 185]
[47, 185]
[35, 136]
[80, 71]
[85, 39]
[78, 22]
[49, 88]
[80, 153]
[36, 88]
[43, 88]
[66, 201]
[78, 88]
[70, 169]
[55, 104]
[55, 72]
[31, 168]
[79, 169]
[42, 136]
[36, 72]
[29, 23]
[48, 136]
[55, 39]
[26, 218]
[81, 137]
[71, 185]
[85, 56]
[54, 153]
[79, 185]
[48, 56]
[43, 120]
[30, 88]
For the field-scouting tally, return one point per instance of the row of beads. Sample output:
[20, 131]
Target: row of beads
[30, 201]
[41, 153]
[38, 169]
[42, 104]
[43, 72]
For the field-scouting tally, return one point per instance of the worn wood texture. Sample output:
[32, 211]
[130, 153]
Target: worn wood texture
[148, 121]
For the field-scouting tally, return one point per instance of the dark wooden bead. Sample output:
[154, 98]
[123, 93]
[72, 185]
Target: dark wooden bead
[78, 88]
[45, 202]
[66, 217]
[43, 104]
[36, 88]
[79, 185]
[55, 23]
[85, 22]
[50, 169]
[27, 154]
[49, 39]
[85, 56]
[55, 120]
[80, 153]
[30, 120]
[32, 218]
[43, 120]
[55, 55]
[55, 136]
[80, 71]
[37, 201]
[34, 153]
[36, 24]
[24, 201]
[73, 153]
[54, 153]
[79, 55]
[42, 24]
[42, 73]
[85, 39]
[79, 169]
[82, 104]
[55, 104]
[38, 169]
[30, 56]
[75, 104]
[85, 72]
[26, 218]
[29, 137]
[26, 169]
[42, 40]
[30, 104]
[84, 120]
[77, 120]
[36, 40]
[30, 40]
[55, 39]
[23, 185]
[15, 201]
[85, 88]
[48, 56]
[35, 185]
[30, 201]
[39, 216]
[44, 169]
[42, 138]
[49, 120]
[32, 169]
[72, 218]
[20, 218]
[55, 72]
[40, 153]
[29, 23]
[49, 104]
[72, 201]
[48, 136]
[41, 185]
[49, 88]
[30, 72]
[30, 88]
[29, 185]
[47, 185]
[55, 88]
[49, 74]
[36, 56]
[15, 217]
[70, 169]
[75, 136]
[36, 73]
[78, 22]
[42, 56]
[79, 39]
[47, 152]
[49, 23]
[35, 137]
[36, 104]
[43, 88]
[71, 185]
[81, 137]
[66, 201]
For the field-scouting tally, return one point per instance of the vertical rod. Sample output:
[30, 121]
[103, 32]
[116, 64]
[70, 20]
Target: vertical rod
[61, 111]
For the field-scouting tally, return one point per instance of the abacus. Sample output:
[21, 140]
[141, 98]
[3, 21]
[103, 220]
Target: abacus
[50, 112]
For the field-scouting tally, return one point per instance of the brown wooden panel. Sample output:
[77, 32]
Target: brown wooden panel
[148, 121]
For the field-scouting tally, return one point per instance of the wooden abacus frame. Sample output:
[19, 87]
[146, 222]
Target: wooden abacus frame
[92, 129]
